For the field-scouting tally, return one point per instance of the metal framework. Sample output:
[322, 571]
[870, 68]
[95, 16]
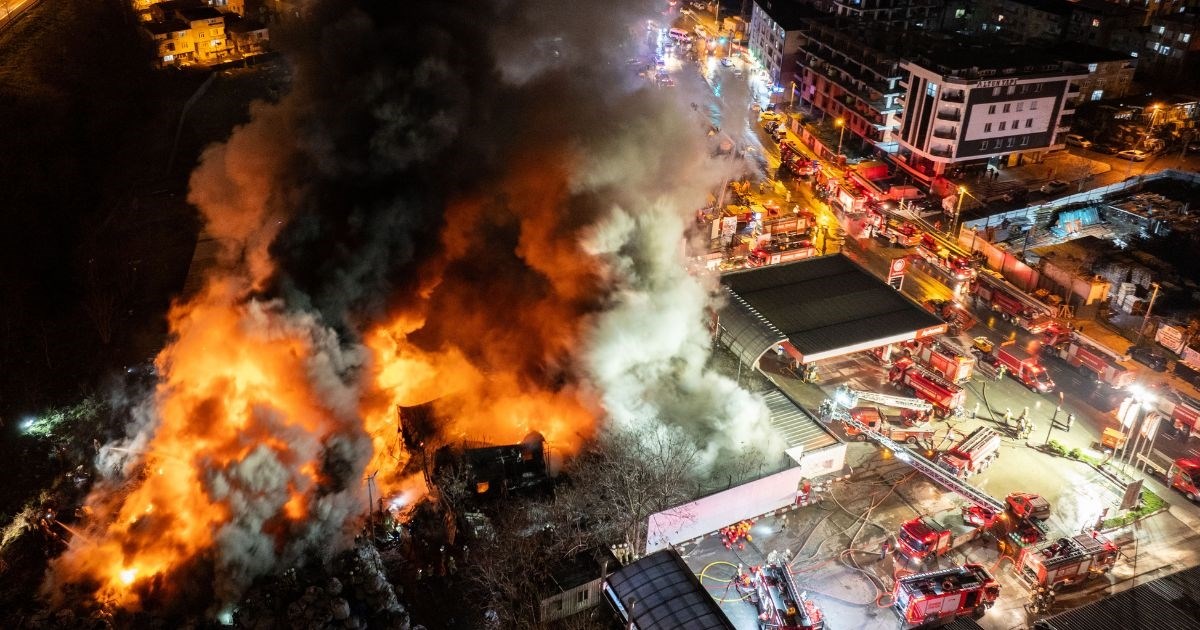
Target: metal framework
[850, 397]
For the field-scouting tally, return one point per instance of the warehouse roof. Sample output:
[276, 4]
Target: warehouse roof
[1172, 602]
[824, 307]
[660, 592]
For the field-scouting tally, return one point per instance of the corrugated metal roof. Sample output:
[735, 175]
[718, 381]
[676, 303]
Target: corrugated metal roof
[1171, 602]
[745, 331]
[823, 304]
[660, 592]
[797, 427]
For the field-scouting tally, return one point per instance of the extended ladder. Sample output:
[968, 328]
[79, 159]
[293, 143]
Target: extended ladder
[848, 397]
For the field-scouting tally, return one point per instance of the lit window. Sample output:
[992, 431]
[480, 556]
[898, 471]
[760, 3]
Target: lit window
[995, 91]
[1000, 18]
[931, 89]
[1092, 67]
[168, 58]
[1185, 37]
[1012, 89]
[1095, 22]
[1161, 30]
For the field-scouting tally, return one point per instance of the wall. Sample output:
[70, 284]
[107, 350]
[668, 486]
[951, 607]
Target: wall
[1006, 262]
[571, 601]
[708, 514]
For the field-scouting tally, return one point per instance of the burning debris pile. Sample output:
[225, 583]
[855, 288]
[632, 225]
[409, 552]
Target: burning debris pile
[445, 210]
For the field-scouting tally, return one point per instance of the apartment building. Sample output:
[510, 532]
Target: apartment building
[186, 32]
[1110, 73]
[968, 105]
[918, 14]
[776, 34]
[1086, 21]
[852, 71]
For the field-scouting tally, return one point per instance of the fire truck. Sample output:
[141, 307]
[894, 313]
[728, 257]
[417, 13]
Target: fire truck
[925, 598]
[946, 397]
[943, 359]
[782, 248]
[896, 231]
[1025, 368]
[1184, 476]
[1069, 560]
[1014, 305]
[873, 419]
[957, 266]
[780, 604]
[1095, 362]
[973, 454]
[788, 222]
[927, 537]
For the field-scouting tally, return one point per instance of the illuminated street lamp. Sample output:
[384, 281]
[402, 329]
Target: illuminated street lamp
[962, 191]
[1139, 401]
[841, 124]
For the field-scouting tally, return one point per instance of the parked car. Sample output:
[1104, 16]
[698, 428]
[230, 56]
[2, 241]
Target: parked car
[1137, 155]
[1105, 148]
[1193, 147]
[1026, 505]
[1076, 140]
[1149, 358]
[1054, 186]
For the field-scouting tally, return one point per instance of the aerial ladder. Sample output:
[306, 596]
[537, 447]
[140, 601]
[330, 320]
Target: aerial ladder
[848, 397]
[832, 409]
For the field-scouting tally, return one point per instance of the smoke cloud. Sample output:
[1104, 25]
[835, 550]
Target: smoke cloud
[469, 205]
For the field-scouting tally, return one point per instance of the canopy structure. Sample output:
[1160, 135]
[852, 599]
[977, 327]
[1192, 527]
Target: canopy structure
[816, 308]
[660, 592]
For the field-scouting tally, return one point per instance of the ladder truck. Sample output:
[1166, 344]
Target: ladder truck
[1097, 362]
[947, 398]
[780, 603]
[1069, 560]
[1022, 309]
[848, 397]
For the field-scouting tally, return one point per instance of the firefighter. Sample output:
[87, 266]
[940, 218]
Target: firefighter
[1007, 416]
[1070, 421]
[1001, 372]
[885, 549]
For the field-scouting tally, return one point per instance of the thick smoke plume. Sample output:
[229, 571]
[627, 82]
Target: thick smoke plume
[466, 204]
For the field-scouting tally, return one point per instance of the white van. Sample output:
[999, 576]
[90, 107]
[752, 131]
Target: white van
[1076, 140]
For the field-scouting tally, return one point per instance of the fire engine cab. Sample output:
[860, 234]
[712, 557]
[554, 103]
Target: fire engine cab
[923, 598]
[780, 604]
[1184, 476]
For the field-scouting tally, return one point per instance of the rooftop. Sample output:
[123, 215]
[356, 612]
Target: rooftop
[199, 13]
[1168, 602]
[660, 592]
[789, 14]
[1085, 54]
[162, 28]
[985, 57]
[825, 306]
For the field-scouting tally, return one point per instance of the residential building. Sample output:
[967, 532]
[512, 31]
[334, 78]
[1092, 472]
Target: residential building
[248, 36]
[776, 34]
[172, 39]
[1171, 49]
[1110, 73]
[186, 32]
[891, 13]
[575, 584]
[852, 71]
[1086, 21]
[970, 104]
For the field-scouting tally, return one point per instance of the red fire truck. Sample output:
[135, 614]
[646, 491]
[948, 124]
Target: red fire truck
[1184, 476]
[1012, 308]
[1025, 368]
[896, 232]
[973, 454]
[788, 223]
[780, 603]
[1096, 363]
[1069, 560]
[957, 266]
[943, 359]
[927, 537]
[924, 598]
[946, 397]
[782, 248]
[873, 419]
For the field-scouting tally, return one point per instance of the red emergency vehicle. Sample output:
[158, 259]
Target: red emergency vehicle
[1069, 560]
[1095, 363]
[780, 603]
[955, 265]
[1184, 476]
[925, 598]
[943, 359]
[973, 454]
[946, 397]
[927, 537]
[874, 420]
[1025, 368]
[788, 223]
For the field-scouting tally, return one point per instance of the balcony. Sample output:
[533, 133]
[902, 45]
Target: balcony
[941, 152]
[957, 96]
[949, 114]
[945, 133]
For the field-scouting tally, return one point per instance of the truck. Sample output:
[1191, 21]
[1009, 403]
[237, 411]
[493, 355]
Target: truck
[873, 419]
[1025, 368]
[973, 454]
[897, 232]
[782, 248]
[946, 397]
[1095, 363]
[780, 603]
[943, 359]
[1014, 305]
[1184, 476]
[1026, 505]
[956, 265]
[788, 223]
[925, 598]
[925, 538]
[1069, 560]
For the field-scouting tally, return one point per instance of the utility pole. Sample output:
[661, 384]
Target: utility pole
[1055, 418]
[1146, 317]
[370, 479]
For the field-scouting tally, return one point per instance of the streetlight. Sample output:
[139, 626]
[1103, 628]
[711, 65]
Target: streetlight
[841, 124]
[1153, 115]
[1146, 317]
[1055, 418]
[1139, 399]
[962, 191]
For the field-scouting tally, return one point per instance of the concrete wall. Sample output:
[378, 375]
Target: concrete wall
[708, 514]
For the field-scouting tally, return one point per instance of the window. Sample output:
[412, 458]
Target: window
[168, 58]
[1185, 37]
[1006, 107]
[931, 89]
[1028, 123]
[1016, 124]
[1021, 106]
[983, 145]
[1097, 95]
[991, 109]
[1032, 105]
[1012, 89]
[1161, 29]
[996, 91]
[1011, 142]
[1037, 87]
[987, 127]
[1003, 124]
[1095, 22]
[1024, 141]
